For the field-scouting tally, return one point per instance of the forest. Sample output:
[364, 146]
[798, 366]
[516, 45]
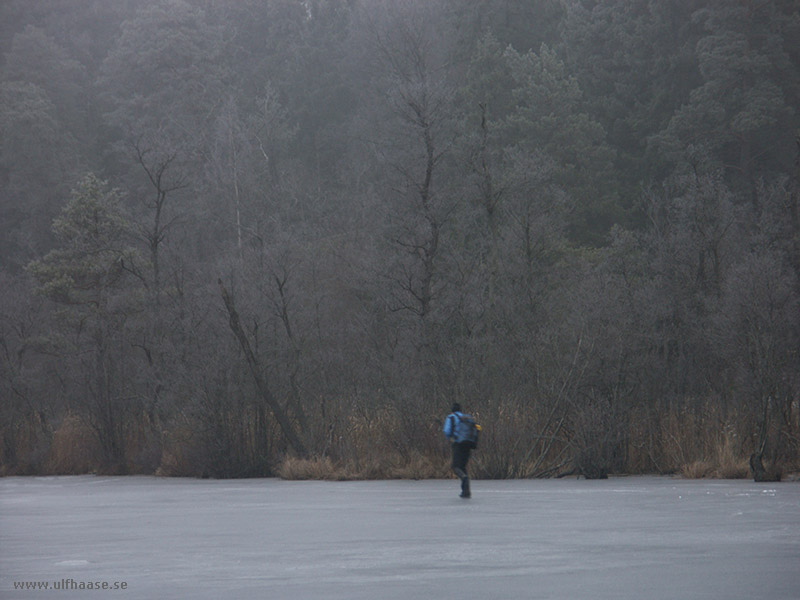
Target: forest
[281, 237]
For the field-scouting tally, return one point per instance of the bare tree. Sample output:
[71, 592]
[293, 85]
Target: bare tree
[413, 83]
[256, 371]
[159, 168]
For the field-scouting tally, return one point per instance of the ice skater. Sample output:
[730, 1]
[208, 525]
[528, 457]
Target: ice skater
[462, 431]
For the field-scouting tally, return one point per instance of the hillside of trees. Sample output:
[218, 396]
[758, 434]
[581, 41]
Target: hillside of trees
[282, 237]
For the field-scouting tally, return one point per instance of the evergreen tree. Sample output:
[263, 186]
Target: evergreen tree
[87, 277]
[550, 117]
[744, 110]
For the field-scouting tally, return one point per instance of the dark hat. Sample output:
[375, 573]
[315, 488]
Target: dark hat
[456, 407]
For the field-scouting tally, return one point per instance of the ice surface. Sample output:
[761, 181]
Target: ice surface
[623, 538]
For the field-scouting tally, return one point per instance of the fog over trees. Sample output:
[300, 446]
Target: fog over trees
[282, 237]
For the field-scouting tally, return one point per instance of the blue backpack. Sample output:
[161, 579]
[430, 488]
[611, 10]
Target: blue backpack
[466, 431]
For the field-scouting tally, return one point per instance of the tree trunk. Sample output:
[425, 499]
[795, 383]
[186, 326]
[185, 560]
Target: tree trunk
[760, 474]
[283, 420]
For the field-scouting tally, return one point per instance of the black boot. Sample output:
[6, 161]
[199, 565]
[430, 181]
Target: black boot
[465, 493]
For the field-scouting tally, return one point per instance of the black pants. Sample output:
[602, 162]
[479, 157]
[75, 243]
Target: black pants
[460, 460]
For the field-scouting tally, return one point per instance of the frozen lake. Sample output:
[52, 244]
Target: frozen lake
[641, 538]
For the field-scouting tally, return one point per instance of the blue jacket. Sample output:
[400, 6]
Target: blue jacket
[450, 425]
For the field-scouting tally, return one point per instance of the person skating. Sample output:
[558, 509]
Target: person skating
[462, 432]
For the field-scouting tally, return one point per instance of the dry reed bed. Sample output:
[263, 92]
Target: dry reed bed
[386, 444]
